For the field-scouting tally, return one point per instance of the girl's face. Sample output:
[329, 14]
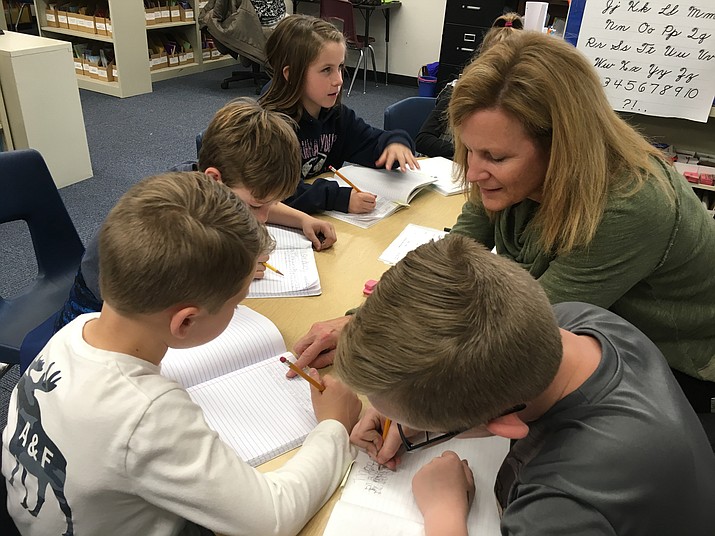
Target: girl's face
[323, 78]
[502, 160]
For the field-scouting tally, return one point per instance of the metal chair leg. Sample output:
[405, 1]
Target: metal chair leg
[19, 15]
[357, 66]
[374, 67]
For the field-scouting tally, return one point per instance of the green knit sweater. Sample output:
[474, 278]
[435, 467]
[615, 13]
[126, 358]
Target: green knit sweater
[651, 262]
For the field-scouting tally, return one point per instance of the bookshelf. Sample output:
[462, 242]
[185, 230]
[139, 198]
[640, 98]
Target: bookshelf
[131, 38]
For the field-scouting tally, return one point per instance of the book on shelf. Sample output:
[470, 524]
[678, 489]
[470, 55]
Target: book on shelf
[378, 501]
[394, 190]
[441, 170]
[295, 258]
[240, 384]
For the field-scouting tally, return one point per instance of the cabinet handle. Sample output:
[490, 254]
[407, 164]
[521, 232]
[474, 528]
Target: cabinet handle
[465, 49]
[470, 38]
[472, 7]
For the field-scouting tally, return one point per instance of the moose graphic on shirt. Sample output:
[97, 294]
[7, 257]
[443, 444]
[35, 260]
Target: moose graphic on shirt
[33, 450]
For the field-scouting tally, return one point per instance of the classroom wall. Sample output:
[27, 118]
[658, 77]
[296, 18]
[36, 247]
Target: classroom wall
[415, 34]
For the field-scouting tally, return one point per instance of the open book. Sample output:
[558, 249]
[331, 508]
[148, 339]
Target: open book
[440, 169]
[295, 258]
[240, 384]
[393, 189]
[380, 501]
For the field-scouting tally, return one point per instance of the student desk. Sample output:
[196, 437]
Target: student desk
[343, 271]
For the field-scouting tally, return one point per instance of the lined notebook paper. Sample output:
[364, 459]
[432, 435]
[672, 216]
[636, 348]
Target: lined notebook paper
[410, 238]
[379, 501]
[393, 189]
[440, 169]
[240, 384]
[295, 258]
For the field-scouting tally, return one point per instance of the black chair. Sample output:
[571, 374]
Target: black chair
[27, 192]
[256, 74]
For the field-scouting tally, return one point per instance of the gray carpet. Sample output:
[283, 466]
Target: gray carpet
[139, 136]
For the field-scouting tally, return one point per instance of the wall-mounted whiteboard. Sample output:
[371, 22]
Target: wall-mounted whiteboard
[655, 57]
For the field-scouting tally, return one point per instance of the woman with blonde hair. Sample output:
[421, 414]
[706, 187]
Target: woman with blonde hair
[563, 186]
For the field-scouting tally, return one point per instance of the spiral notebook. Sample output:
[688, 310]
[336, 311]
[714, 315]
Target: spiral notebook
[295, 258]
[379, 501]
[394, 190]
[240, 384]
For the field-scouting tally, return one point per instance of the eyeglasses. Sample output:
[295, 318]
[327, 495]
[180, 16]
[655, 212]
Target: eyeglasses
[430, 439]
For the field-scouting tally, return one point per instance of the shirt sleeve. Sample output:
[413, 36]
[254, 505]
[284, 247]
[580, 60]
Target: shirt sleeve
[320, 195]
[363, 144]
[550, 512]
[474, 223]
[634, 237]
[179, 464]
[429, 140]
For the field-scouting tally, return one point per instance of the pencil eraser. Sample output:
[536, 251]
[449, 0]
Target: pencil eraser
[369, 287]
[283, 359]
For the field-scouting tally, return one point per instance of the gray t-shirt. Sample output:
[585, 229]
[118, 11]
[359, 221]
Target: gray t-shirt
[624, 454]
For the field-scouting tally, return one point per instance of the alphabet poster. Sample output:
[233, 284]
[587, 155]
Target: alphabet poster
[654, 57]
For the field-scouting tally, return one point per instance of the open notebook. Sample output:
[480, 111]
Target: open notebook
[240, 384]
[379, 501]
[440, 169]
[393, 189]
[295, 258]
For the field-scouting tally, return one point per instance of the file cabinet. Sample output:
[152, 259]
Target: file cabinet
[465, 23]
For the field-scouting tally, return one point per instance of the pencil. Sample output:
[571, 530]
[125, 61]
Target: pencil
[320, 387]
[358, 190]
[276, 270]
[385, 429]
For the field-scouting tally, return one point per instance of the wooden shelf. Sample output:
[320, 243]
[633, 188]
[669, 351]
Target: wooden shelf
[75, 33]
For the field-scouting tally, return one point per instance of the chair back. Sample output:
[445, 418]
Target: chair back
[408, 114]
[27, 192]
[341, 11]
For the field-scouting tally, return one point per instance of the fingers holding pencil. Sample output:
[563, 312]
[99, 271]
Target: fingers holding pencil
[335, 401]
[360, 202]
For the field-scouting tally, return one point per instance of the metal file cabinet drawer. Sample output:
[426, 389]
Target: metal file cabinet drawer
[473, 12]
[459, 43]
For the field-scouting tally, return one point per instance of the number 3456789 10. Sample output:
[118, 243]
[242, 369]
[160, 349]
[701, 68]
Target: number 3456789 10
[651, 88]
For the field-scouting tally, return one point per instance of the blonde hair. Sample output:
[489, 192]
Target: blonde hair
[177, 238]
[452, 336]
[550, 88]
[502, 28]
[253, 148]
[295, 43]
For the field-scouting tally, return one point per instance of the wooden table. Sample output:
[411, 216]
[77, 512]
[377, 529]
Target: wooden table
[343, 271]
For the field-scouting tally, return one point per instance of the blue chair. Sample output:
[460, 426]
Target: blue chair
[408, 114]
[27, 192]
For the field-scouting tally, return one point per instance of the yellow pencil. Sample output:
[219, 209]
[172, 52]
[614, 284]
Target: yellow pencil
[276, 270]
[385, 429]
[319, 386]
[358, 190]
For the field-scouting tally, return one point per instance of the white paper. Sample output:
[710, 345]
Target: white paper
[535, 16]
[379, 501]
[441, 169]
[654, 57]
[410, 238]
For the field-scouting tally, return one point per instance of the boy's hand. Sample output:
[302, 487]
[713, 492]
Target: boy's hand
[260, 268]
[317, 347]
[361, 202]
[396, 152]
[335, 402]
[314, 229]
[443, 490]
[367, 435]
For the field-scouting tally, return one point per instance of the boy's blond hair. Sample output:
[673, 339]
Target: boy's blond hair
[253, 148]
[452, 336]
[177, 239]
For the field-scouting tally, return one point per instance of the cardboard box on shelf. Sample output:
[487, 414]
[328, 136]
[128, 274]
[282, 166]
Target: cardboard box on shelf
[186, 14]
[100, 23]
[86, 23]
[150, 16]
[51, 16]
[175, 13]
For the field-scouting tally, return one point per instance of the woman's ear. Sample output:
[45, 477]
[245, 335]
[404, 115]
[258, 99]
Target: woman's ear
[214, 173]
[286, 70]
[510, 426]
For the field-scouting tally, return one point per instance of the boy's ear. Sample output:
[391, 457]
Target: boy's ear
[182, 321]
[510, 426]
[286, 70]
[214, 173]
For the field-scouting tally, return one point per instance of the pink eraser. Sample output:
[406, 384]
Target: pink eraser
[369, 287]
